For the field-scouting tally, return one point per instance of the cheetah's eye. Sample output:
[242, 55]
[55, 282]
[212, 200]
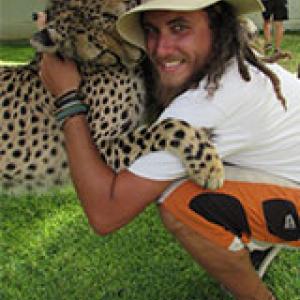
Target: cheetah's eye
[109, 17]
[80, 31]
[93, 18]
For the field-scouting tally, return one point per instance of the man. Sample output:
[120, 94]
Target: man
[276, 11]
[206, 74]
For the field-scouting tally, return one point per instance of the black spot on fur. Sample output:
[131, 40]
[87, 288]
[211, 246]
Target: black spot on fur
[124, 115]
[10, 167]
[23, 110]
[50, 170]
[5, 136]
[17, 153]
[34, 119]
[180, 134]
[32, 167]
[141, 143]
[126, 161]
[169, 126]
[10, 87]
[64, 165]
[147, 136]
[208, 157]
[175, 144]
[6, 102]
[29, 177]
[6, 115]
[22, 123]
[21, 142]
[162, 143]
[127, 149]
[117, 163]
[7, 77]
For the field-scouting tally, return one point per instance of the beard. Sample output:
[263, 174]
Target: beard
[165, 94]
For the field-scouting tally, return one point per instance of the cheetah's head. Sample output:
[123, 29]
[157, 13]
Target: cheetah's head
[84, 30]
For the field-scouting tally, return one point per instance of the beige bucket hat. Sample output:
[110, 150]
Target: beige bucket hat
[129, 25]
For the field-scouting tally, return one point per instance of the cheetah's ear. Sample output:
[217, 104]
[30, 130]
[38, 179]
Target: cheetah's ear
[76, 3]
[114, 7]
[56, 2]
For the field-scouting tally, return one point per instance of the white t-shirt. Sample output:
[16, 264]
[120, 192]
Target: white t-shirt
[252, 128]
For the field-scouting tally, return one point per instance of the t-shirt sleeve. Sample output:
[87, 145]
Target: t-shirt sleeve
[160, 165]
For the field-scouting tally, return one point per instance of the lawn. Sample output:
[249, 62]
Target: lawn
[291, 43]
[48, 251]
[15, 54]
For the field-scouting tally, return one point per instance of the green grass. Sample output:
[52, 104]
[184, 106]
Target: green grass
[291, 42]
[15, 54]
[48, 251]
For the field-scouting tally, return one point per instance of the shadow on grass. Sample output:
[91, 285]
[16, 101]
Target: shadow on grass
[48, 251]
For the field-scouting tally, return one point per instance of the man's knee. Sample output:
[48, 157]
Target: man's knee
[169, 221]
[201, 248]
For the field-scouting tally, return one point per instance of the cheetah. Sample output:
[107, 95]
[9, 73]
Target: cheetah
[31, 142]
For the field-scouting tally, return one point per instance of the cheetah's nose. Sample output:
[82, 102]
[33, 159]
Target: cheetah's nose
[34, 16]
[43, 38]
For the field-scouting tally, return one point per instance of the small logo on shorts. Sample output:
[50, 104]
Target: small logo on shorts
[289, 222]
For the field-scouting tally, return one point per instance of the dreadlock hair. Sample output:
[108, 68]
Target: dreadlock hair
[230, 40]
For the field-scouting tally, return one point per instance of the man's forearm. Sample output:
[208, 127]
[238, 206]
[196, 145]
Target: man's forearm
[92, 178]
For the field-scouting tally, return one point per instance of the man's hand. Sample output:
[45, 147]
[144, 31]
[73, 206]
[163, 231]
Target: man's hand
[40, 18]
[59, 76]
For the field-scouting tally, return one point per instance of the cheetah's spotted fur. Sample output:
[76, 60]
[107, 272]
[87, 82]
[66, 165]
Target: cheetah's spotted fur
[31, 143]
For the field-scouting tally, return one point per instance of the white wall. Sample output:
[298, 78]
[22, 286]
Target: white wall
[15, 18]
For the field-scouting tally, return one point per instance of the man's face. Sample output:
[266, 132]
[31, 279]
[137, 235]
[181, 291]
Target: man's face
[178, 44]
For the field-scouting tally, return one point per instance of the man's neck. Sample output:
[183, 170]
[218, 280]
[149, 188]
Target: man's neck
[166, 95]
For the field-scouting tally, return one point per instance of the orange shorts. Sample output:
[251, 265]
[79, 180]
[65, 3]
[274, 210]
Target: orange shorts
[238, 213]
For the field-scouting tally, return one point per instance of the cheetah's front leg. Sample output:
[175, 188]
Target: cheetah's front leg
[193, 146]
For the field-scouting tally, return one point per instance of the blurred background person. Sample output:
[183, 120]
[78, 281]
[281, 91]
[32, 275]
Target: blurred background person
[276, 11]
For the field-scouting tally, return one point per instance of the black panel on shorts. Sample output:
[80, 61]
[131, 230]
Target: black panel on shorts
[224, 210]
[282, 219]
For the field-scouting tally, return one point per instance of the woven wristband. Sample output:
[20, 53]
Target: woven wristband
[67, 98]
[70, 103]
[71, 111]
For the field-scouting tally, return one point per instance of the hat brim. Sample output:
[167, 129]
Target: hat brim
[129, 25]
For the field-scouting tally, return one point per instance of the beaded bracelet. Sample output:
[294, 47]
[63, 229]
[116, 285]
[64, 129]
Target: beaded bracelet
[71, 111]
[69, 105]
[68, 97]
